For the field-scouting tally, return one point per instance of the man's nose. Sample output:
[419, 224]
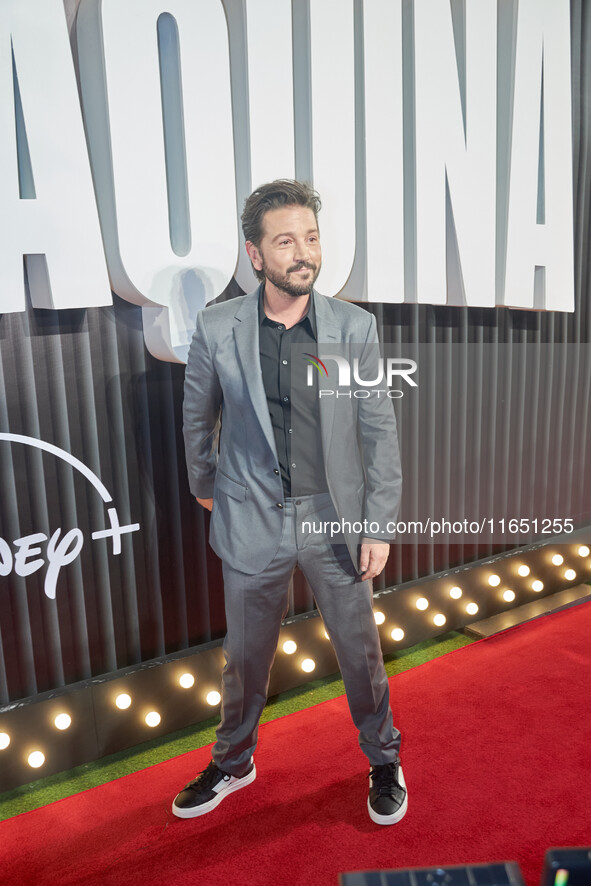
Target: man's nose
[302, 250]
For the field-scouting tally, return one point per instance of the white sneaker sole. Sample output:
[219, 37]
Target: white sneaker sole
[194, 811]
[396, 816]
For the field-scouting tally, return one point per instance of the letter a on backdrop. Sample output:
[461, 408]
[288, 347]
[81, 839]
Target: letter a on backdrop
[539, 259]
[48, 210]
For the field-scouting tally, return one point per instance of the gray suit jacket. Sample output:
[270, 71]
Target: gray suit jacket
[229, 441]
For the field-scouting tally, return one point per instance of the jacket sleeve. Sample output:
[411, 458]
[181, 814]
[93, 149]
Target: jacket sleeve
[201, 413]
[378, 441]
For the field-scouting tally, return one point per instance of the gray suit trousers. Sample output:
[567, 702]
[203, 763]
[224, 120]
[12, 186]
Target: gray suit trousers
[255, 606]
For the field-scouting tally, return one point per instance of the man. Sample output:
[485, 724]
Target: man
[238, 417]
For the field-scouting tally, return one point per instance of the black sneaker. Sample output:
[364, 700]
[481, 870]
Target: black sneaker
[388, 801]
[208, 790]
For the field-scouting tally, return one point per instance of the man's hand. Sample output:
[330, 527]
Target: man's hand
[373, 558]
[206, 503]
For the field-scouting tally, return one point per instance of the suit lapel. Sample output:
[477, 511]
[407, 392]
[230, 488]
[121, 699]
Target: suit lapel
[246, 336]
[328, 332]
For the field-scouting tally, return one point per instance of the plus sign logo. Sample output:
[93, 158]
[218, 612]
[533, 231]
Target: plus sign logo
[34, 552]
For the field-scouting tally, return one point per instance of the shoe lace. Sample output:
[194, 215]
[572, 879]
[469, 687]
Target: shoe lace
[384, 779]
[205, 779]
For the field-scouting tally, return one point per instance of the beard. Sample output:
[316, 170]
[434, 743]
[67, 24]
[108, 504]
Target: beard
[293, 287]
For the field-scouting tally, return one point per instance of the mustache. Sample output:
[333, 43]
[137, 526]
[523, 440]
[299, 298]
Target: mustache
[300, 265]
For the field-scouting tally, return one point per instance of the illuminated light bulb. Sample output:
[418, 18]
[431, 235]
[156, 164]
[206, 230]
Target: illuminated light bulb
[557, 559]
[187, 680]
[472, 608]
[523, 570]
[537, 586]
[308, 665]
[123, 701]
[494, 580]
[153, 718]
[583, 551]
[289, 647]
[4, 741]
[508, 596]
[213, 698]
[379, 617]
[422, 603]
[570, 574]
[63, 721]
[397, 634]
[439, 619]
[455, 593]
[36, 759]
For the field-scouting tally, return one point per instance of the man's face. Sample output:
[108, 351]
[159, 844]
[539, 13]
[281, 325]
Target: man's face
[289, 254]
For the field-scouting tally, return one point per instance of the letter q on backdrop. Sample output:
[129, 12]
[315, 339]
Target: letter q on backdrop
[165, 182]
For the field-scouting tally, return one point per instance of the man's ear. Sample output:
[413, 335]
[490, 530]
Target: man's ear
[254, 255]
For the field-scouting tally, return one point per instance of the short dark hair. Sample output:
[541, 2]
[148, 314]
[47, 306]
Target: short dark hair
[274, 195]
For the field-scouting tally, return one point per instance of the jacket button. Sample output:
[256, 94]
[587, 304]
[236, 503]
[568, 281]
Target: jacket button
[279, 505]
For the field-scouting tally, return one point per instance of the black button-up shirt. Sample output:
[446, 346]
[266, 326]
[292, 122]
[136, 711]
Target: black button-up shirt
[307, 476]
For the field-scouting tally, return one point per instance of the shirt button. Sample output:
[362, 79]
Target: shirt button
[285, 399]
[279, 326]
[298, 502]
[275, 471]
[279, 505]
[293, 465]
[284, 362]
[290, 431]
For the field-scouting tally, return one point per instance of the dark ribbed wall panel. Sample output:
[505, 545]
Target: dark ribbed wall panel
[83, 381]
[509, 429]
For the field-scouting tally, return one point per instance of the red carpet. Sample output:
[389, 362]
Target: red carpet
[497, 757]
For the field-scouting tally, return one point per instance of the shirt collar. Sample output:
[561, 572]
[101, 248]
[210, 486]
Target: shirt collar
[310, 316]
